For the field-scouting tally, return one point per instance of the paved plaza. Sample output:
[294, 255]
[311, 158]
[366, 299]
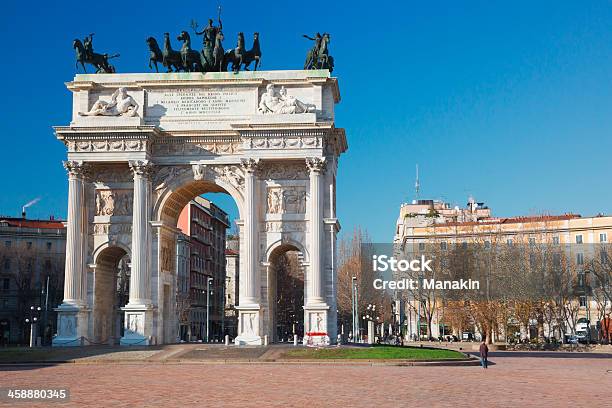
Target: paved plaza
[543, 380]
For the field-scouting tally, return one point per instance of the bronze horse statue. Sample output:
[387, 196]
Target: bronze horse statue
[156, 54]
[218, 52]
[98, 61]
[254, 54]
[234, 55]
[171, 58]
[190, 58]
[240, 56]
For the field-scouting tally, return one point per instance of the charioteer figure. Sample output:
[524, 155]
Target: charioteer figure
[88, 45]
[210, 31]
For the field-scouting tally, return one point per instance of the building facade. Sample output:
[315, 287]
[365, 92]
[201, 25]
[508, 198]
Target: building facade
[205, 224]
[32, 256]
[427, 224]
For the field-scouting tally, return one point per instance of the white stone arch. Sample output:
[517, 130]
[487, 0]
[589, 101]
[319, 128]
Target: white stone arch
[184, 187]
[287, 242]
[109, 244]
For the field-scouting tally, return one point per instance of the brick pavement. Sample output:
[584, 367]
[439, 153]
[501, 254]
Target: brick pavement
[510, 381]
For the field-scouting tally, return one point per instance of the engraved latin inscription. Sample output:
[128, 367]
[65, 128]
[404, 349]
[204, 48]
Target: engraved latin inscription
[200, 102]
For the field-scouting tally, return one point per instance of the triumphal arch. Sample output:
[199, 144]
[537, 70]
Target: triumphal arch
[141, 146]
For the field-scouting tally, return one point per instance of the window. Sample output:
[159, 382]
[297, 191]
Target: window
[464, 245]
[487, 244]
[583, 301]
[7, 244]
[579, 258]
[421, 246]
[509, 241]
[532, 261]
[603, 237]
[557, 260]
[29, 245]
[7, 264]
[48, 246]
[443, 245]
[6, 284]
[581, 280]
[532, 242]
[556, 240]
[579, 239]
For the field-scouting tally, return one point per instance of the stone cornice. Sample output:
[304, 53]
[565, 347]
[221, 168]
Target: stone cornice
[170, 80]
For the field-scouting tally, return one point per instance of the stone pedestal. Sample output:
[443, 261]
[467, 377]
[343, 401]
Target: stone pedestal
[316, 333]
[138, 327]
[249, 333]
[72, 323]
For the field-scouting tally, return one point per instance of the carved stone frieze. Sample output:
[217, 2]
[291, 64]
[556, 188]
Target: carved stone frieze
[284, 171]
[285, 226]
[112, 174]
[107, 145]
[302, 140]
[112, 229]
[197, 148]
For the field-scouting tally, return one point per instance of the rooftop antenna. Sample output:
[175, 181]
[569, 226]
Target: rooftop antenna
[417, 186]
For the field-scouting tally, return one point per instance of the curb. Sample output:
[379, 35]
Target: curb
[335, 362]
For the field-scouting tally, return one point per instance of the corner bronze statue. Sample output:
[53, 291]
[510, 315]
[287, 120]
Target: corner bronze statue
[318, 56]
[86, 55]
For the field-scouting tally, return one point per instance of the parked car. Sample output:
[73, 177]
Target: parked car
[571, 339]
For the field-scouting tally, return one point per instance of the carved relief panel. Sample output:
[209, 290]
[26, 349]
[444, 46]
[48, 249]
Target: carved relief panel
[286, 200]
[114, 202]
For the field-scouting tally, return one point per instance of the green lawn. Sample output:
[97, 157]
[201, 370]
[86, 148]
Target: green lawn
[374, 353]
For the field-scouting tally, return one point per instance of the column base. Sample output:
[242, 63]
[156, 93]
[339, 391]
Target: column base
[72, 323]
[315, 325]
[138, 326]
[249, 327]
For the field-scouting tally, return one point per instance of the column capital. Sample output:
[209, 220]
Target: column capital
[250, 165]
[142, 168]
[316, 164]
[76, 168]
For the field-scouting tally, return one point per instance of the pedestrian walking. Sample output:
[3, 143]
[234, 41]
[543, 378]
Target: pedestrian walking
[484, 353]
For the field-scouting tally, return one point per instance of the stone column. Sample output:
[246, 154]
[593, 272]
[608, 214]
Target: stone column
[316, 310]
[141, 234]
[138, 328]
[250, 277]
[249, 310]
[317, 167]
[72, 313]
[73, 275]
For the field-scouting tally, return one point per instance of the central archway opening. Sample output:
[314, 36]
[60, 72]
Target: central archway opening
[286, 293]
[204, 215]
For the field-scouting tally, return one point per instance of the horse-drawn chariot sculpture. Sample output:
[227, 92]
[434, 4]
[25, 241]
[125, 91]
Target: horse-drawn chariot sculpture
[212, 57]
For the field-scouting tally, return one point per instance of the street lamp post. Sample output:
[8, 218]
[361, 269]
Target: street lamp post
[354, 308]
[208, 281]
[33, 320]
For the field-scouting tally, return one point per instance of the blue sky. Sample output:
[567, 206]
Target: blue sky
[508, 101]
